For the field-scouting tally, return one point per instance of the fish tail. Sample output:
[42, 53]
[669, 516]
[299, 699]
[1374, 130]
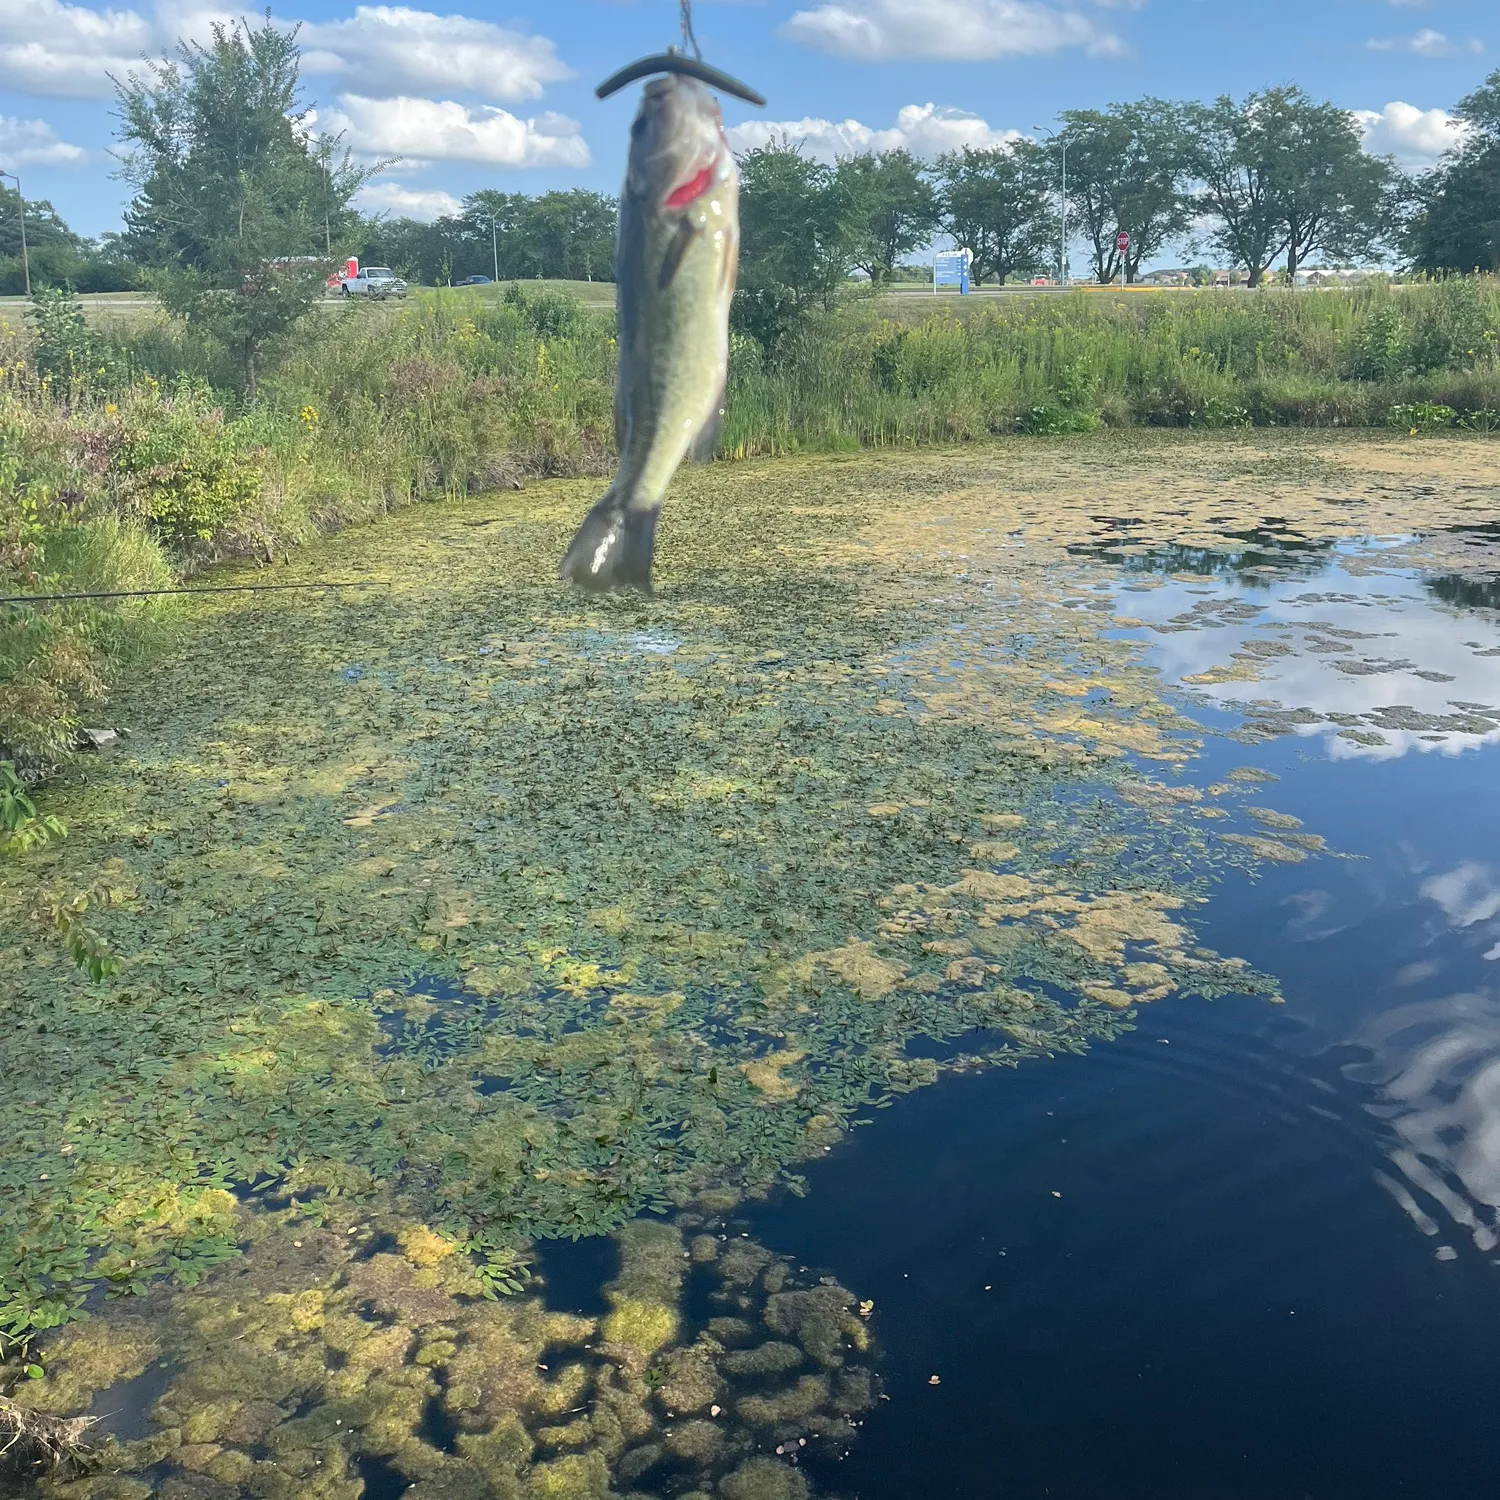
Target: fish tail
[614, 546]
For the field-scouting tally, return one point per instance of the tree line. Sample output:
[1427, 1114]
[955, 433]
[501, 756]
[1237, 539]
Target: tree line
[568, 236]
[1266, 184]
[57, 256]
[234, 194]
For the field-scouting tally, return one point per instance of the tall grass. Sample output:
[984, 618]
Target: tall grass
[126, 460]
[1058, 363]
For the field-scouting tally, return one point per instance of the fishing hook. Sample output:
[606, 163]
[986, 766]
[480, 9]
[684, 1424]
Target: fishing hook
[675, 61]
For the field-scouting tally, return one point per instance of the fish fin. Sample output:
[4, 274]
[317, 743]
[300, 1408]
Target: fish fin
[676, 249]
[613, 548]
[702, 451]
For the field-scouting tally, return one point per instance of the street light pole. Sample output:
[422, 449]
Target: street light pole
[495, 246]
[25, 258]
[1062, 239]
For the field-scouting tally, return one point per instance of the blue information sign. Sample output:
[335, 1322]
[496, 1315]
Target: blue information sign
[951, 268]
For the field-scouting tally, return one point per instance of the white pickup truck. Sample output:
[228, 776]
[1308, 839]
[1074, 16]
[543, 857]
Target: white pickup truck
[373, 281]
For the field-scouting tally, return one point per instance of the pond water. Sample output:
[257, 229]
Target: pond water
[1244, 1251]
[978, 989]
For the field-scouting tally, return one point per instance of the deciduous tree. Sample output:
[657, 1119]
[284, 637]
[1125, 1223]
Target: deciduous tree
[1457, 223]
[1126, 170]
[1285, 173]
[996, 202]
[893, 208]
[234, 204]
[798, 232]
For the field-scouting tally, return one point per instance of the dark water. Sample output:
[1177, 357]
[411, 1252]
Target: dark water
[1251, 1250]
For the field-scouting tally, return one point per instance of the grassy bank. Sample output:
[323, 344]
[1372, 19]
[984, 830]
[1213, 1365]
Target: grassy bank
[127, 460]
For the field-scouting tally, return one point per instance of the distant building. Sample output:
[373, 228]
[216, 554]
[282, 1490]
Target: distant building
[1335, 275]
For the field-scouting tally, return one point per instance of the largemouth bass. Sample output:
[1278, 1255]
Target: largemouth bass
[675, 261]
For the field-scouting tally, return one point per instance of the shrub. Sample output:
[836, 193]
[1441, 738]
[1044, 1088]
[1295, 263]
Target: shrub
[1421, 416]
[67, 352]
[553, 314]
[1452, 328]
[184, 470]
[1055, 421]
[1380, 348]
[22, 827]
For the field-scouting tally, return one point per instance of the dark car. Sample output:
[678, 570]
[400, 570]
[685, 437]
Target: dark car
[473, 281]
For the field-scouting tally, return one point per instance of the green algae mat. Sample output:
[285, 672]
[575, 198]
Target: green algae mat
[462, 913]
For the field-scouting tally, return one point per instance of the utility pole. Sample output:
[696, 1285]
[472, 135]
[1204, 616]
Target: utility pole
[25, 258]
[1062, 239]
[495, 246]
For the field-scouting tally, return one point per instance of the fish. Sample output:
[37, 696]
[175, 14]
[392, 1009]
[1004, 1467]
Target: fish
[676, 257]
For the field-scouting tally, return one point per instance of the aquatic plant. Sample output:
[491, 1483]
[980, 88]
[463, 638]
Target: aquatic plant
[1421, 416]
[337, 1350]
[542, 912]
[470, 913]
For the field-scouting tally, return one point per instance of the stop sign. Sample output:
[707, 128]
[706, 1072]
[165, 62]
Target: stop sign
[1122, 242]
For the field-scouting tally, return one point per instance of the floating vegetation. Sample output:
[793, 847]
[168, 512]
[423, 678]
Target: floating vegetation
[472, 913]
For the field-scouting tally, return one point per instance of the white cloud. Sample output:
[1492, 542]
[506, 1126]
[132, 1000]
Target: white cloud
[1415, 137]
[405, 202]
[443, 130]
[48, 47]
[958, 30]
[394, 50]
[926, 130]
[1426, 43]
[34, 143]
[54, 48]
[1468, 893]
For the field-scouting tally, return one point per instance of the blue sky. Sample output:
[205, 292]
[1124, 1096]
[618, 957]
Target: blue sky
[502, 96]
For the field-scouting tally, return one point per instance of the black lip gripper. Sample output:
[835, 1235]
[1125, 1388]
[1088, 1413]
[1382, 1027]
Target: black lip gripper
[677, 62]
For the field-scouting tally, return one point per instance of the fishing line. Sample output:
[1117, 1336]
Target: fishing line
[219, 588]
[688, 39]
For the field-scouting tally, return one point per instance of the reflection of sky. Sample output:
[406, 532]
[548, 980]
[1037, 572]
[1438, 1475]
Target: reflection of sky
[1408, 651]
[1394, 953]
[1437, 1066]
